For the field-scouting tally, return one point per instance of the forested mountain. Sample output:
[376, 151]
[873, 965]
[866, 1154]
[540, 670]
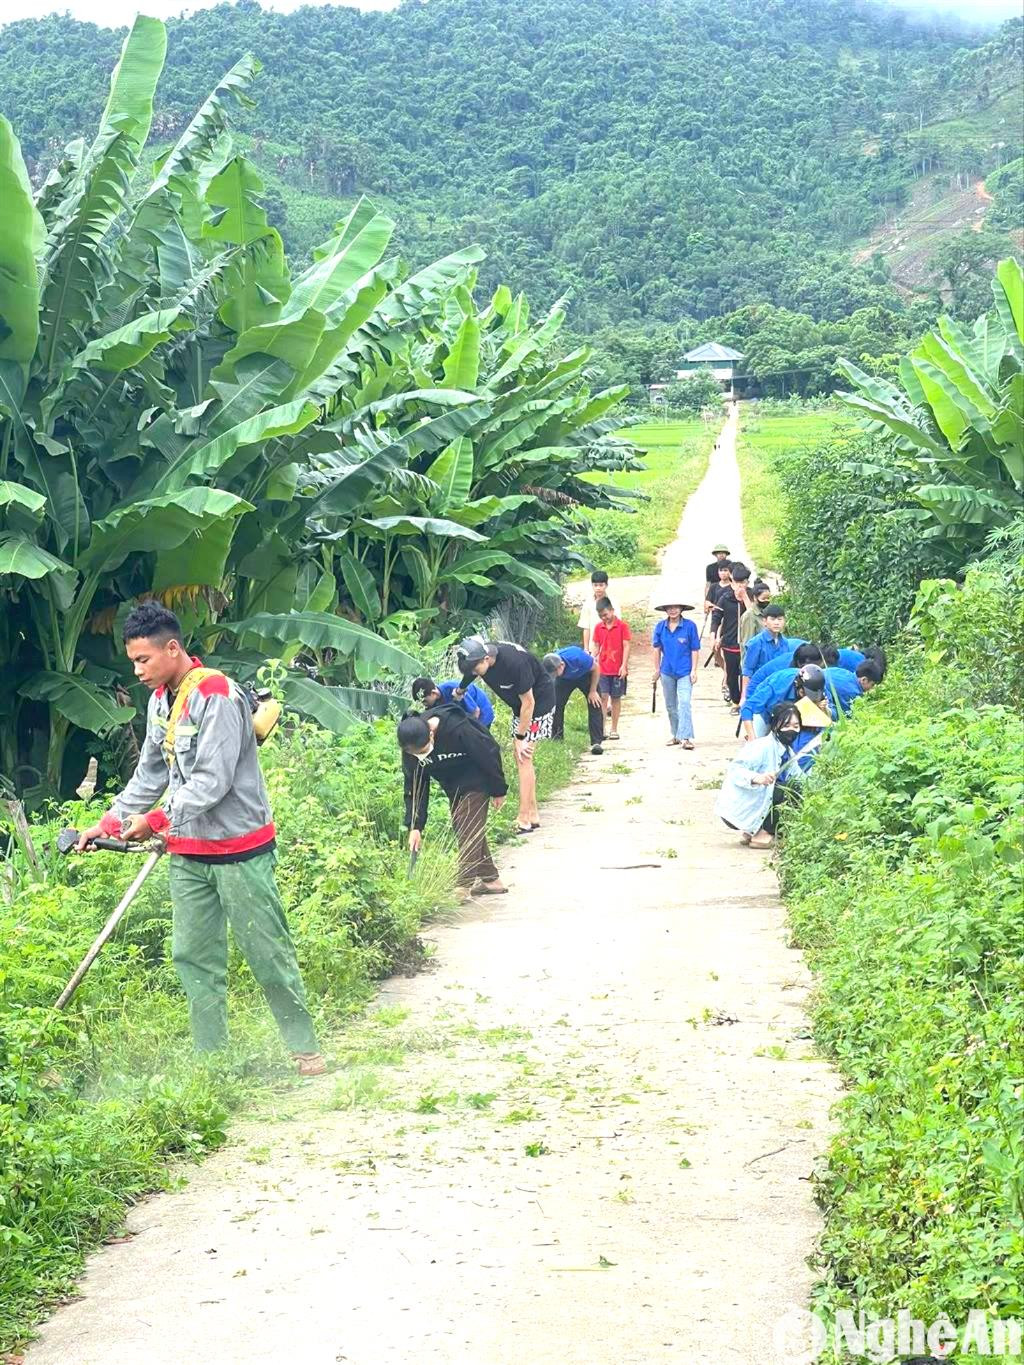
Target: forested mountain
[658, 159]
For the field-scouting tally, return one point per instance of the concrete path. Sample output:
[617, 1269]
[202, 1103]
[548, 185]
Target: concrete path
[585, 1137]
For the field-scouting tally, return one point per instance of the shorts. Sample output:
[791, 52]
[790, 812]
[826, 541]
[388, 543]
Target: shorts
[611, 685]
[540, 728]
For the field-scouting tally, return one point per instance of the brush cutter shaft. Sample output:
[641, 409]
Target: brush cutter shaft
[107, 930]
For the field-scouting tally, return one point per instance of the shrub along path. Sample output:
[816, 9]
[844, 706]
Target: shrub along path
[585, 1136]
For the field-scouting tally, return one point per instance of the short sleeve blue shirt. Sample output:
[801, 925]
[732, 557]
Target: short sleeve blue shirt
[475, 699]
[677, 647]
[578, 663]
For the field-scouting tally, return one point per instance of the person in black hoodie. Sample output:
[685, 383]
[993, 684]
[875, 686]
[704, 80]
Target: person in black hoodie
[447, 745]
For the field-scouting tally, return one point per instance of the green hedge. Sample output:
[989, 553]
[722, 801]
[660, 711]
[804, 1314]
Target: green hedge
[902, 871]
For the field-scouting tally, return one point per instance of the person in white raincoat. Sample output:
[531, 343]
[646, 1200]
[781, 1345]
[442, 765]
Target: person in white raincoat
[745, 802]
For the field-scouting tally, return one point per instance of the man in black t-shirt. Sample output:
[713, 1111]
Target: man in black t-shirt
[721, 554]
[519, 679]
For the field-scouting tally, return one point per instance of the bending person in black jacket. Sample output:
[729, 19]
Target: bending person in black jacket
[447, 745]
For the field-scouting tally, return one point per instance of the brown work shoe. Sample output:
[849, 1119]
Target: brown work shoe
[309, 1063]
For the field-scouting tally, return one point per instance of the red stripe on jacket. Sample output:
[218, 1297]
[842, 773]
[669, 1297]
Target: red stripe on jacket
[241, 843]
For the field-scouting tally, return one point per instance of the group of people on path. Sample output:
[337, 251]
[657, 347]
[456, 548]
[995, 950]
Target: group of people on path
[786, 691]
[199, 789]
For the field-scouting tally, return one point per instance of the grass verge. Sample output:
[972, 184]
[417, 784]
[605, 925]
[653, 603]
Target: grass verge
[762, 435]
[97, 1102]
[676, 455]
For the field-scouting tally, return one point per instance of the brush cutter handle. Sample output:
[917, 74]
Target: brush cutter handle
[67, 842]
[108, 929]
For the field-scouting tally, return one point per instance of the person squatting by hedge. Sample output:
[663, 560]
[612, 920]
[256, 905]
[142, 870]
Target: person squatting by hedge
[448, 746]
[215, 819]
[517, 678]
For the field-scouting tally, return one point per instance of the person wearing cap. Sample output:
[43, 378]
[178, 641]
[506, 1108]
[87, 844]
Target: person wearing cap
[785, 684]
[519, 679]
[676, 656]
[472, 699]
[721, 553]
[446, 745]
[576, 670]
[712, 591]
[751, 792]
[770, 643]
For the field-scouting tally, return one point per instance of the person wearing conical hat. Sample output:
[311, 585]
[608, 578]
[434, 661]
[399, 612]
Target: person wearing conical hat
[676, 656]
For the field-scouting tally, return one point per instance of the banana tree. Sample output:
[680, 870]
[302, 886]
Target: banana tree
[155, 359]
[957, 422]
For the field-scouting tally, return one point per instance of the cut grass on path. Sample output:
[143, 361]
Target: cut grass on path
[761, 436]
[676, 455]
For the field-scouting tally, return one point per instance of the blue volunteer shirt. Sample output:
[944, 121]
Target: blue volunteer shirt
[677, 647]
[475, 699]
[850, 658]
[779, 685]
[766, 647]
[840, 686]
[767, 669]
[578, 663]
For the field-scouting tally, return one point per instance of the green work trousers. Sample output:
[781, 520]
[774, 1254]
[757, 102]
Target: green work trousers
[207, 897]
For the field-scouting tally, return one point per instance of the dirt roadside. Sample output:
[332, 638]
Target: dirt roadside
[584, 1137]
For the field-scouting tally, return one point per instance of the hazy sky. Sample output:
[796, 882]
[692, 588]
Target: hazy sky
[113, 13]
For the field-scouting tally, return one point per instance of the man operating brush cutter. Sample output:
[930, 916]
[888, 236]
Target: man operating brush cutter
[198, 786]
[464, 759]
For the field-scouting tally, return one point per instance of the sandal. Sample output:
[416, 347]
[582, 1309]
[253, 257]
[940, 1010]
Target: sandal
[525, 829]
[672, 742]
[490, 889]
[309, 1063]
[687, 743]
[614, 734]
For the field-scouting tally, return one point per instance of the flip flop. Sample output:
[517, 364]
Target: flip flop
[525, 829]
[482, 889]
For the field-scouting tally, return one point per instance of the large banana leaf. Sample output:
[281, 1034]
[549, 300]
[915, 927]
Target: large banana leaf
[29, 560]
[126, 346]
[338, 708]
[158, 523]
[352, 483]
[319, 630]
[203, 458]
[76, 266]
[462, 366]
[27, 498]
[129, 107]
[327, 279]
[82, 702]
[421, 526]
[1009, 282]
[196, 142]
[361, 586]
[452, 471]
[21, 239]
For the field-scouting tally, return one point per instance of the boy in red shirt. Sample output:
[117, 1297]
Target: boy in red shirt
[611, 645]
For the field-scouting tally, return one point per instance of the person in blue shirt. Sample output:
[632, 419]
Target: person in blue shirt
[803, 654]
[472, 699]
[676, 656]
[576, 670]
[770, 644]
[839, 686]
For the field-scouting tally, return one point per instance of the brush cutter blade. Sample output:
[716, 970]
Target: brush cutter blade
[67, 839]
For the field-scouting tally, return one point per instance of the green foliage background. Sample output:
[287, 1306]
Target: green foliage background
[668, 161]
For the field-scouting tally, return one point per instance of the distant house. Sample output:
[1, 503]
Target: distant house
[720, 360]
